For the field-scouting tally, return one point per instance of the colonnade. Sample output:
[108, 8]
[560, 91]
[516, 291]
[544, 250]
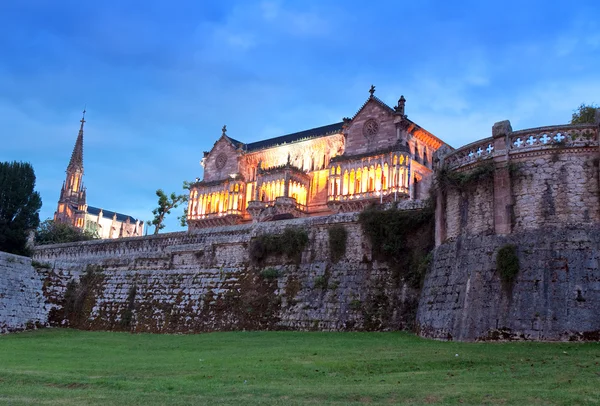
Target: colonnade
[371, 178]
[221, 202]
[269, 191]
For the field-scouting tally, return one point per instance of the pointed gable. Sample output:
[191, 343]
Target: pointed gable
[372, 128]
[222, 160]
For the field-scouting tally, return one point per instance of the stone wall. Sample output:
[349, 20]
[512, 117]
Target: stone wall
[206, 281]
[528, 179]
[22, 303]
[536, 189]
[556, 295]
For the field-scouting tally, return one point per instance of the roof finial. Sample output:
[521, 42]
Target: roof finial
[372, 90]
[224, 129]
[82, 120]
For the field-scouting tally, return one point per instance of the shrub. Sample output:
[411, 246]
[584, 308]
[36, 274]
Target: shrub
[321, 282]
[507, 264]
[337, 242]
[270, 273]
[290, 243]
[38, 264]
[355, 304]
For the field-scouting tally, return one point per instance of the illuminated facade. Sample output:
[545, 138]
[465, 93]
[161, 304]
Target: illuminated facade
[73, 208]
[378, 155]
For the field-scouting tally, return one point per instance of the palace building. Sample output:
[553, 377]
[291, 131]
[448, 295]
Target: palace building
[73, 208]
[377, 156]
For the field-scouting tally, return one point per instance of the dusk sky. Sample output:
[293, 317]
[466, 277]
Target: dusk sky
[160, 78]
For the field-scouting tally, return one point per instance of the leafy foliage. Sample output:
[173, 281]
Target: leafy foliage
[402, 238]
[19, 206]
[165, 204]
[270, 273]
[507, 264]
[290, 243]
[51, 232]
[449, 179]
[337, 242]
[584, 114]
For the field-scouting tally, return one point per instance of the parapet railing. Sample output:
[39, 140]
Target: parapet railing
[540, 138]
[471, 153]
[580, 135]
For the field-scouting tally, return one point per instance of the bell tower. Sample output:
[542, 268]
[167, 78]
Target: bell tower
[72, 204]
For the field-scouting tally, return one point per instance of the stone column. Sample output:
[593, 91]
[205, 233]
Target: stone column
[502, 185]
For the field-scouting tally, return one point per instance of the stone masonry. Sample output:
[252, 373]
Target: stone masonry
[22, 303]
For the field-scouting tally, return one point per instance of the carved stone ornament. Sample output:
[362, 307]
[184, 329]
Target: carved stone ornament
[221, 160]
[370, 128]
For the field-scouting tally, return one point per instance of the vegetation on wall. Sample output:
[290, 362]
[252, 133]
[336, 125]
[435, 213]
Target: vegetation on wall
[19, 206]
[80, 296]
[507, 264]
[127, 316]
[446, 179]
[270, 273]
[337, 242]
[290, 243]
[402, 238]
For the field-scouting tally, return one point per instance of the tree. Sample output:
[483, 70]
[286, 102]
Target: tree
[584, 114]
[50, 232]
[183, 218]
[165, 205]
[19, 206]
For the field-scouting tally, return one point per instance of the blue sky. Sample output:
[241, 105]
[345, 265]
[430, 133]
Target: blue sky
[160, 79]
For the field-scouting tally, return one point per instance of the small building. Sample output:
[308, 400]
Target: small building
[73, 208]
[378, 155]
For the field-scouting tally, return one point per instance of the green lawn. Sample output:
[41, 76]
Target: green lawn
[57, 366]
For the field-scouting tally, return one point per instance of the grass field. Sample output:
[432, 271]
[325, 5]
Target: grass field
[57, 366]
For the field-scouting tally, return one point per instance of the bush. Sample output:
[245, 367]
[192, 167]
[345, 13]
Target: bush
[337, 242]
[507, 264]
[356, 304]
[321, 282]
[290, 243]
[270, 273]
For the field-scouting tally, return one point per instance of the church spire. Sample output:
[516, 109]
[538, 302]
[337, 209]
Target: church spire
[76, 161]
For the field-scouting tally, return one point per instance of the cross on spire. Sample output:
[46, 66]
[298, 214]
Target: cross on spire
[224, 129]
[372, 90]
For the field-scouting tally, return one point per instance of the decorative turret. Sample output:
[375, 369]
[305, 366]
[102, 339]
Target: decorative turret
[400, 107]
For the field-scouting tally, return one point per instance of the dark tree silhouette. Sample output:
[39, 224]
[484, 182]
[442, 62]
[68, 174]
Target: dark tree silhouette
[19, 206]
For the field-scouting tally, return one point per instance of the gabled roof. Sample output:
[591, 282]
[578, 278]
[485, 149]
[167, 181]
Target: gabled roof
[290, 138]
[378, 101]
[107, 214]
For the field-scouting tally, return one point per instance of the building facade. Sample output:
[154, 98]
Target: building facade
[73, 208]
[378, 155]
